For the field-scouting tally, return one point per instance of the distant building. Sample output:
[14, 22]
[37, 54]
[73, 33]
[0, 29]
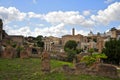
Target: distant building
[51, 43]
[78, 38]
[4, 37]
[91, 33]
[17, 38]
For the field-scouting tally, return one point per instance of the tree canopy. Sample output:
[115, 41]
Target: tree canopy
[70, 48]
[39, 38]
[39, 41]
[112, 50]
[71, 44]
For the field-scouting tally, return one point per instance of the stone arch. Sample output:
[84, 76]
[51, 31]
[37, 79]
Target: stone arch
[34, 51]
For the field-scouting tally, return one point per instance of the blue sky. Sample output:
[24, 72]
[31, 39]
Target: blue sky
[58, 17]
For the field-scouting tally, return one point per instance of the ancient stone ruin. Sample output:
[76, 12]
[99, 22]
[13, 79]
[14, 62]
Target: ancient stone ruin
[80, 68]
[24, 54]
[107, 70]
[100, 69]
[68, 70]
[9, 52]
[45, 62]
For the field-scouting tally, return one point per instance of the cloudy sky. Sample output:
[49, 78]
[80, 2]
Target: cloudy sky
[58, 17]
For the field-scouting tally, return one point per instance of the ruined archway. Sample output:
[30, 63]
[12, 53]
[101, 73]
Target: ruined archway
[34, 51]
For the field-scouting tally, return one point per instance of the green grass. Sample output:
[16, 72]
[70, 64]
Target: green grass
[30, 69]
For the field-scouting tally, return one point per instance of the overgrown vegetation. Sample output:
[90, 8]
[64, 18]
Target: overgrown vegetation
[71, 49]
[91, 59]
[112, 50]
[39, 42]
[30, 69]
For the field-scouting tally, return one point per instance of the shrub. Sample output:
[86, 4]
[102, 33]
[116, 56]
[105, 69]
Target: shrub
[90, 60]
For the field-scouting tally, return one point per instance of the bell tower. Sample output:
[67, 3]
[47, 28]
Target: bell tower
[73, 31]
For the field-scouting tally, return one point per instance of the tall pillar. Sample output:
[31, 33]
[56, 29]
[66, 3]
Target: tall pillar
[73, 31]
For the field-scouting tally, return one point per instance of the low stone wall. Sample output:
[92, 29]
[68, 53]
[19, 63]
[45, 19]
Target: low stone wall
[68, 70]
[105, 70]
[29, 51]
[9, 52]
[80, 68]
[24, 54]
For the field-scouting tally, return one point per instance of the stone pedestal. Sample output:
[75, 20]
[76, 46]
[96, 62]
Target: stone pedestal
[45, 62]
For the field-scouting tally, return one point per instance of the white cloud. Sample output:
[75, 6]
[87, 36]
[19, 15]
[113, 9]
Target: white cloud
[108, 1]
[59, 18]
[40, 25]
[118, 27]
[25, 31]
[86, 13]
[69, 17]
[57, 30]
[112, 13]
[10, 14]
[85, 33]
[34, 15]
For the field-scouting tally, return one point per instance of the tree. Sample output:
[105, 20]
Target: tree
[71, 44]
[39, 42]
[78, 50]
[70, 48]
[70, 54]
[39, 38]
[112, 50]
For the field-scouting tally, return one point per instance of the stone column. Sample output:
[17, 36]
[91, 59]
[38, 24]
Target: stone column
[45, 62]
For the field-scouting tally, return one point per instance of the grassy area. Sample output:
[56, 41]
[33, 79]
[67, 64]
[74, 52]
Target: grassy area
[30, 69]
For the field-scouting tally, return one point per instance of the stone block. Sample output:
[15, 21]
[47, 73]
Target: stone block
[24, 54]
[107, 70]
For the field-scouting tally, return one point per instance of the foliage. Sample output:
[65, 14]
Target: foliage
[40, 44]
[39, 38]
[79, 50]
[71, 44]
[14, 45]
[19, 48]
[91, 50]
[90, 60]
[70, 54]
[94, 39]
[112, 50]
[39, 41]
[70, 48]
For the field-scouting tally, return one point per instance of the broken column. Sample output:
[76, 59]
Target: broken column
[45, 62]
